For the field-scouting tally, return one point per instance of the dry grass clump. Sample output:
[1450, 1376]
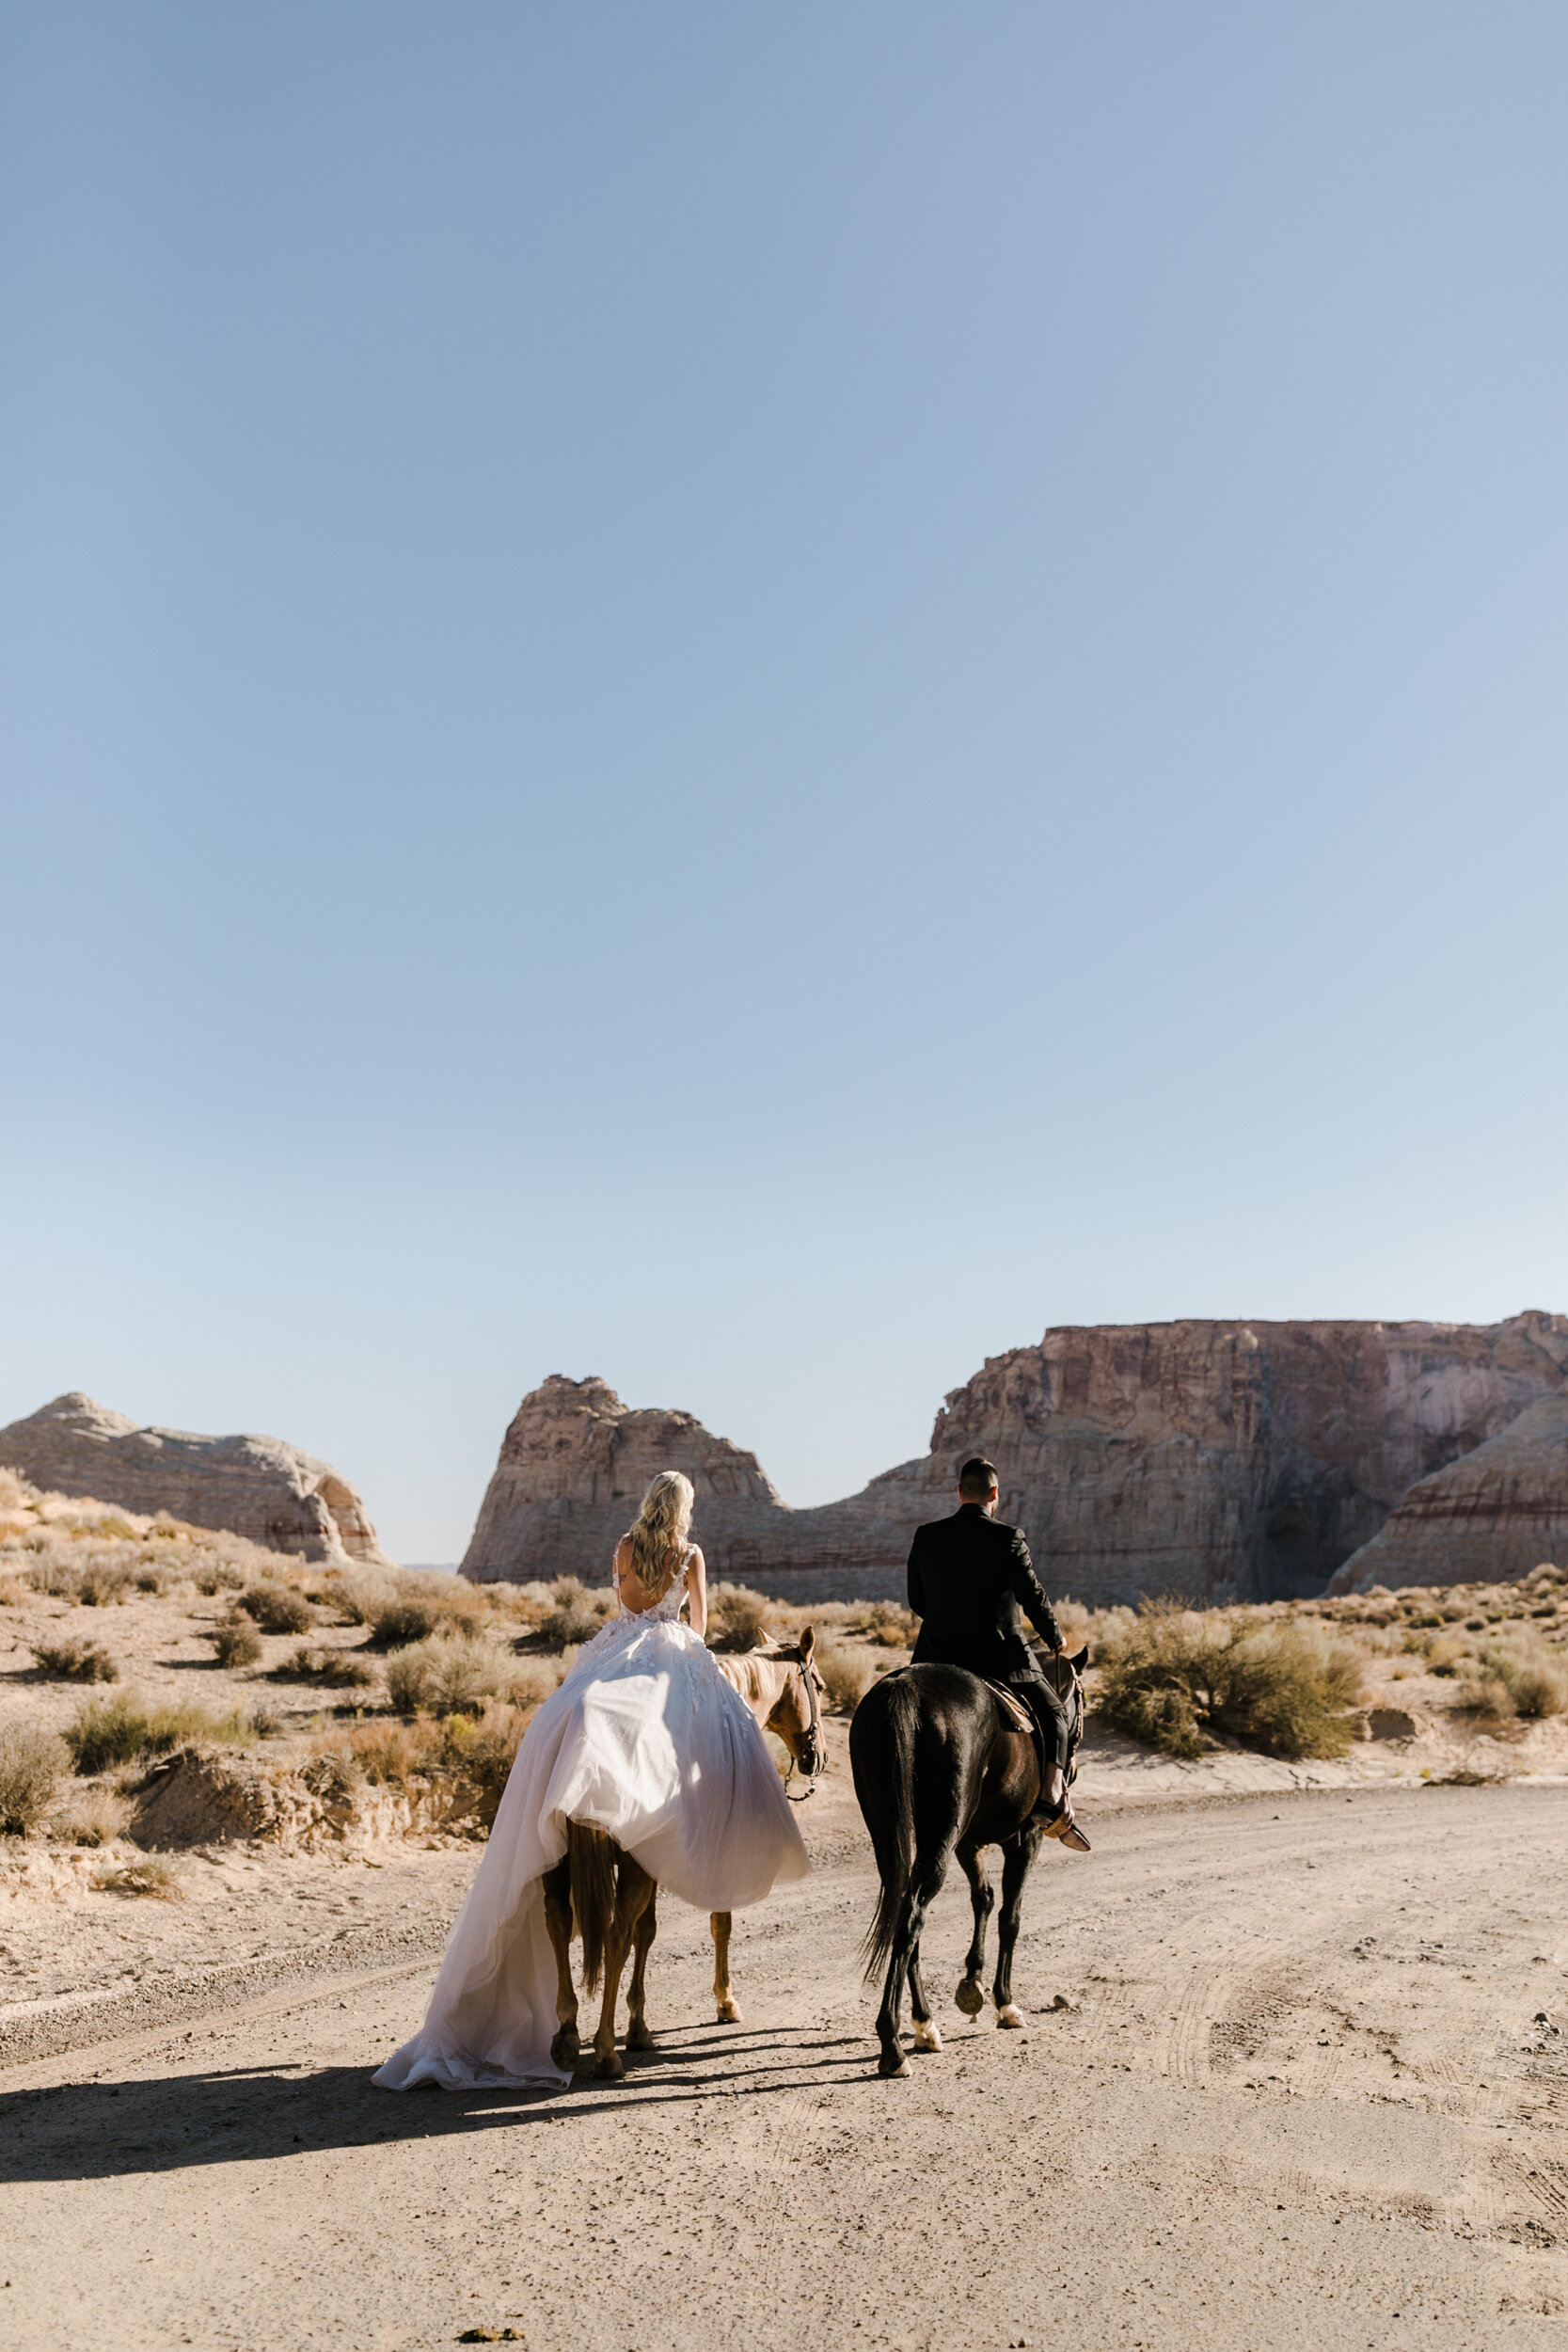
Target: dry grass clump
[575, 1613]
[1517, 1678]
[475, 1750]
[129, 1729]
[845, 1679]
[92, 1816]
[75, 1661]
[235, 1641]
[32, 1766]
[1282, 1687]
[277, 1608]
[446, 1676]
[736, 1617]
[165, 1877]
[339, 1668]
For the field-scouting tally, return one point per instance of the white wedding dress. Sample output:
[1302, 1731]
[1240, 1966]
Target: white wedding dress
[647, 1740]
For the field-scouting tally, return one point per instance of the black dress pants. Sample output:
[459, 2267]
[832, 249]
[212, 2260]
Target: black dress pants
[1048, 1710]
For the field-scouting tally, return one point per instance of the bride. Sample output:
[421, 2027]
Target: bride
[645, 1739]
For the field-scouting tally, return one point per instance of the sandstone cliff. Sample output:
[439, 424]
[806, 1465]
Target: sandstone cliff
[253, 1486]
[1491, 1517]
[1217, 1460]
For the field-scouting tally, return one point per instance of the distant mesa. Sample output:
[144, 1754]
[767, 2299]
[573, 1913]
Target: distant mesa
[257, 1488]
[1211, 1460]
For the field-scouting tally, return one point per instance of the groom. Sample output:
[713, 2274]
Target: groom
[970, 1576]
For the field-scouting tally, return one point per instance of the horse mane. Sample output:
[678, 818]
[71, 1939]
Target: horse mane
[745, 1670]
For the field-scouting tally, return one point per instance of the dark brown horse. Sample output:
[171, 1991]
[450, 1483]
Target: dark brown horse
[940, 1768]
[611, 1900]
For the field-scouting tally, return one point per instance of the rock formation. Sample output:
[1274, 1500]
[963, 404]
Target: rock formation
[253, 1486]
[1493, 1515]
[573, 1468]
[1216, 1460]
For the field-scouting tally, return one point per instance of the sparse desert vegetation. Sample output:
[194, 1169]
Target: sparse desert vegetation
[421, 1685]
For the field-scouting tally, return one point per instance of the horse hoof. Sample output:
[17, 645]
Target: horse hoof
[925, 2034]
[1010, 2017]
[729, 2014]
[566, 2049]
[638, 2037]
[608, 2066]
[893, 2065]
[970, 1997]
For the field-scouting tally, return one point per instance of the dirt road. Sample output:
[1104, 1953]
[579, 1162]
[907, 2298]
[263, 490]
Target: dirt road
[1310, 2090]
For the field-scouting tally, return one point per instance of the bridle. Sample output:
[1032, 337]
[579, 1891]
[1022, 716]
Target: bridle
[814, 1727]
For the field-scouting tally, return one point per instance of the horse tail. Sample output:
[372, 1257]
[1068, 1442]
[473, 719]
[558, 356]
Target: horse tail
[881, 1756]
[590, 1859]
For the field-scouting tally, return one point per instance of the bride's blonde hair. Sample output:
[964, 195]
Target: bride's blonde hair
[660, 1527]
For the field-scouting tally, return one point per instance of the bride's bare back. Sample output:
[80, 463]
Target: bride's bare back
[686, 1576]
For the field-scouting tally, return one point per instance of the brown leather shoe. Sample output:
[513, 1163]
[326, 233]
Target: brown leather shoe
[1066, 1828]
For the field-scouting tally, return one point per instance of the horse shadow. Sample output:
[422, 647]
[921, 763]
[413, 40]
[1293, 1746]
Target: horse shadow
[105, 2130]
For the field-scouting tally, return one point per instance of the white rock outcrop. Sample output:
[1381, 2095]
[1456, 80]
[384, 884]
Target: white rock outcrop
[258, 1487]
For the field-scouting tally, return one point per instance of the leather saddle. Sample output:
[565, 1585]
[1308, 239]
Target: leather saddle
[1013, 1712]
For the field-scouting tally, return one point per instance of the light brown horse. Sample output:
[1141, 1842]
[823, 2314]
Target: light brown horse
[611, 1900]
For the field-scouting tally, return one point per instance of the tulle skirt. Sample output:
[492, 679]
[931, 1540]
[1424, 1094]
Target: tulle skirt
[646, 1740]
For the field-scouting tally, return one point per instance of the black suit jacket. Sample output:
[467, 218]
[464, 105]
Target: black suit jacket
[969, 1578]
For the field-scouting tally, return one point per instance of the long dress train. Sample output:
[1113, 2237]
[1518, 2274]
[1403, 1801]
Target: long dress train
[646, 1740]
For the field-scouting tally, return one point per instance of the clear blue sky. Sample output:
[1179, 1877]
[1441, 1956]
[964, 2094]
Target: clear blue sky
[752, 698]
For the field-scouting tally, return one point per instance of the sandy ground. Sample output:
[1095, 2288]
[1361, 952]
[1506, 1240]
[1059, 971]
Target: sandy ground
[1310, 2089]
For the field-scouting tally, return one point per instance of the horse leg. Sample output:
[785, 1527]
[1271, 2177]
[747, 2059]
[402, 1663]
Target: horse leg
[633, 1892]
[926, 2034]
[982, 1896]
[1017, 1855]
[566, 2047]
[638, 2036]
[924, 1884]
[718, 1922]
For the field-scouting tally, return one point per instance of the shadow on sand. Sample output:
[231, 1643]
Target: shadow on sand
[247, 2114]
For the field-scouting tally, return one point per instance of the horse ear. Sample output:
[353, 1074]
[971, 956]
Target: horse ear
[807, 1640]
[1081, 1659]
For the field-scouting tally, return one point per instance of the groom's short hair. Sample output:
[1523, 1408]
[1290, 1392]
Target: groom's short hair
[976, 1479]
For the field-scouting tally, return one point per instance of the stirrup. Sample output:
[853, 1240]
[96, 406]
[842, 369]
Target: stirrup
[1066, 1828]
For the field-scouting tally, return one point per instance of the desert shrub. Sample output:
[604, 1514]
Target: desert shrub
[339, 1668]
[356, 1597]
[887, 1625]
[845, 1679]
[736, 1617]
[277, 1608]
[153, 1581]
[484, 1752]
[163, 1876]
[93, 1817]
[444, 1676]
[575, 1613]
[127, 1729]
[1488, 1696]
[13, 1593]
[75, 1661]
[398, 1622]
[214, 1575]
[32, 1766]
[1447, 1654]
[1535, 1681]
[105, 1585]
[265, 1719]
[1280, 1687]
[235, 1641]
[392, 1755]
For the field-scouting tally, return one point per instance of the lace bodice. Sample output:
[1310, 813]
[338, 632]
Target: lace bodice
[667, 1609]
